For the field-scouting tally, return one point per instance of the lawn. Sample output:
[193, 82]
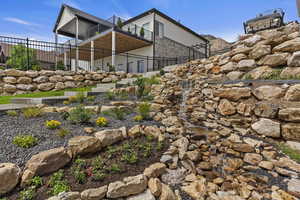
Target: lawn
[7, 99]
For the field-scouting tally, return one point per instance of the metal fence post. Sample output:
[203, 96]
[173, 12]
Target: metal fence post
[147, 63]
[27, 52]
[126, 62]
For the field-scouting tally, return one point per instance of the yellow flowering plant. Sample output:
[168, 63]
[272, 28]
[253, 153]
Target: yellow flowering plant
[138, 118]
[101, 121]
[52, 124]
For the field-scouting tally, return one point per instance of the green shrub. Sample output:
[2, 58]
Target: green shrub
[114, 168]
[97, 163]
[91, 98]
[144, 110]
[59, 187]
[80, 115]
[79, 175]
[25, 141]
[32, 112]
[162, 72]
[141, 83]
[36, 181]
[123, 95]
[36, 68]
[27, 194]
[80, 97]
[98, 176]
[117, 113]
[56, 177]
[63, 132]
[110, 95]
[138, 118]
[12, 113]
[274, 75]
[130, 158]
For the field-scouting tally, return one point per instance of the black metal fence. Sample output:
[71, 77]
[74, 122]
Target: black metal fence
[27, 54]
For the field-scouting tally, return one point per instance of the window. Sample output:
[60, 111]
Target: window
[141, 67]
[130, 67]
[146, 26]
[159, 29]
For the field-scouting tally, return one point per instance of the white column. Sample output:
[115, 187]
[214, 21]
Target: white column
[92, 56]
[113, 49]
[77, 49]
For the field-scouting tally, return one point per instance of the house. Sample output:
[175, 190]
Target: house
[143, 43]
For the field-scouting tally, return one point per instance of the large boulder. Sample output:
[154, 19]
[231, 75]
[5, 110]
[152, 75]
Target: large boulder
[155, 170]
[226, 108]
[245, 65]
[291, 131]
[41, 79]
[290, 114]
[10, 80]
[46, 86]
[265, 109]
[294, 60]
[260, 72]
[251, 41]
[80, 145]
[260, 51]
[288, 46]
[9, 88]
[109, 136]
[274, 60]
[293, 93]
[233, 94]
[49, 161]
[129, 186]
[196, 189]
[235, 75]
[290, 72]
[14, 72]
[147, 195]
[94, 194]
[293, 187]
[268, 92]
[9, 176]
[231, 66]
[267, 127]
[167, 193]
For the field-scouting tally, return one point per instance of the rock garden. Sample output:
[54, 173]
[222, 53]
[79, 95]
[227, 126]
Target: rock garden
[222, 128]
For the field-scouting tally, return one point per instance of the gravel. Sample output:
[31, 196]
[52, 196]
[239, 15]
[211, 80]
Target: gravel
[47, 139]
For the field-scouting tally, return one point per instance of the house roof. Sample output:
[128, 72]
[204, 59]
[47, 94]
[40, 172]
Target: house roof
[81, 15]
[154, 10]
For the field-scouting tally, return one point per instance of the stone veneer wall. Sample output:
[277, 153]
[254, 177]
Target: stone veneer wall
[17, 82]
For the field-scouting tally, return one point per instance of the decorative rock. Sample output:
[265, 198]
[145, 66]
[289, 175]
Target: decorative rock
[290, 72]
[288, 46]
[267, 127]
[9, 88]
[94, 194]
[253, 158]
[235, 75]
[10, 80]
[274, 60]
[233, 94]
[13, 72]
[109, 137]
[238, 57]
[9, 176]
[260, 51]
[291, 131]
[41, 79]
[294, 145]
[231, 66]
[265, 109]
[81, 145]
[245, 148]
[129, 186]
[26, 178]
[266, 165]
[167, 193]
[155, 170]
[245, 65]
[48, 161]
[154, 185]
[135, 131]
[46, 86]
[226, 108]
[24, 80]
[294, 60]
[293, 93]
[268, 92]
[294, 187]
[260, 72]
[147, 195]
[290, 114]
[196, 189]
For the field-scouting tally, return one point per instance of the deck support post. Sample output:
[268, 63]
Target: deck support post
[76, 41]
[113, 49]
[92, 56]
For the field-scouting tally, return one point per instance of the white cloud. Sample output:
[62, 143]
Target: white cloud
[19, 21]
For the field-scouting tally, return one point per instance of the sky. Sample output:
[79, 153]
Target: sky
[222, 18]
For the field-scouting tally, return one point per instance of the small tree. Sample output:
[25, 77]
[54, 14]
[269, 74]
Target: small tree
[20, 55]
[142, 32]
[119, 23]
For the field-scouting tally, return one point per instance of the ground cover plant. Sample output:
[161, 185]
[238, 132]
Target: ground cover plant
[127, 158]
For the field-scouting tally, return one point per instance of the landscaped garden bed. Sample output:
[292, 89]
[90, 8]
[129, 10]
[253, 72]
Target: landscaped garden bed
[126, 158]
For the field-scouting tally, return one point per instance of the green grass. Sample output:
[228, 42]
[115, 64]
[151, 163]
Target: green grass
[7, 99]
[293, 154]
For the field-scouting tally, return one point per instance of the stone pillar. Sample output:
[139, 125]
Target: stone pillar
[113, 49]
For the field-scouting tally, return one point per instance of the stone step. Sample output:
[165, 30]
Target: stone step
[42, 100]
[6, 107]
[126, 82]
[71, 93]
[101, 88]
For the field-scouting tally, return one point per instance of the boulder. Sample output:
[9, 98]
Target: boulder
[154, 186]
[290, 72]
[167, 193]
[135, 131]
[81, 145]
[290, 114]
[196, 189]
[245, 65]
[41, 79]
[293, 93]
[155, 170]
[46, 86]
[9, 88]
[265, 109]
[147, 195]
[10, 80]
[294, 60]
[268, 92]
[129, 186]
[32, 74]
[294, 187]
[14, 72]
[291, 131]
[226, 108]
[288, 46]
[48, 161]
[56, 78]
[260, 51]
[253, 158]
[267, 127]
[231, 66]
[9, 176]
[233, 94]
[109, 136]
[238, 57]
[274, 60]
[94, 194]
[260, 72]
[251, 41]
[235, 75]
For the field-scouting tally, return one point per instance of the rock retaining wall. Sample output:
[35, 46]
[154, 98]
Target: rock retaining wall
[18, 82]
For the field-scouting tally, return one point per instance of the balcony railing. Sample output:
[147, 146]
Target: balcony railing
[138, 31]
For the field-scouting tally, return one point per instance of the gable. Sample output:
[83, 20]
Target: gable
[66, 16]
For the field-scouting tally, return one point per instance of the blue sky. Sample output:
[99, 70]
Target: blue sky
[223, 18]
